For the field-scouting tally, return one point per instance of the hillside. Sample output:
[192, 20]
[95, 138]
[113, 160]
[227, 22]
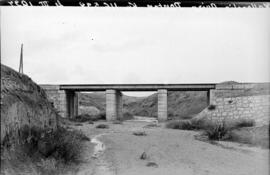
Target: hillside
[23, 103]
[180, 104]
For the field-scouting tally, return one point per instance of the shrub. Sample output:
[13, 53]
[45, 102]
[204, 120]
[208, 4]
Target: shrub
[68, 146]
[61, 144]
[186, 117]
[143, 156]
[201, 123]
[217, 131]
[117, 122]
[152, 164]
[186, 125]
[87, 117]
[204, 123]
[65, 145]
[102, 116]
[241, 136]
[151, 125]
[139, 133]
[180, 124]
[78, 124]
[127, 116]
[211, 107]
[173, 124]
[245, 123]
[80, 135]
[82, 118]
[102, 126]
[258, 136]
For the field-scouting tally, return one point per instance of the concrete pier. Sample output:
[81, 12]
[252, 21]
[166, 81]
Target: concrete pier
[72, 104]
[114, 105]
[111, 111]
[162, 105]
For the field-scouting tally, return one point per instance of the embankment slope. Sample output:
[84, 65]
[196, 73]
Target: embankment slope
[23, 102]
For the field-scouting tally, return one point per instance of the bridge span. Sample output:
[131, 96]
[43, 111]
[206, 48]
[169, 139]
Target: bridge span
[65, 96]
[137, 87]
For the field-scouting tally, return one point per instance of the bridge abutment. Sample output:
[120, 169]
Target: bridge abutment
[114, 105]
[162, 105]
[58, 98]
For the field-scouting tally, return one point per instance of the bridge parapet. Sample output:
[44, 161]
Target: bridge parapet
[237, 86]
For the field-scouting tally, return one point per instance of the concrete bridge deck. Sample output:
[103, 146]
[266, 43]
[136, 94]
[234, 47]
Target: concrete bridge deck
[65, 96]
[137, 87]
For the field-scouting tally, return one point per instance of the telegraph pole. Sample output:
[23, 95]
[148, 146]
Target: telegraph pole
[21, 61]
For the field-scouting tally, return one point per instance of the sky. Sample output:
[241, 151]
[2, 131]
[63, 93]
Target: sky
[66, 45]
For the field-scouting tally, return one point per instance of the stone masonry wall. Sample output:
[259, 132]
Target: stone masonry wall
[243, 101]
[57, 97]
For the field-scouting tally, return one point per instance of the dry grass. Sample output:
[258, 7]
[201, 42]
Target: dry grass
[151, 125]
[241, 130]
[258, 136]
[102, 126]
[180, 124]
[139, 133]
[152, 164]
[244, 123]
[46, 151]
[127, 116]
[118, 122]
[78, 124]
[201, 123]
[217, 131]
[204, 123]
[87, 117]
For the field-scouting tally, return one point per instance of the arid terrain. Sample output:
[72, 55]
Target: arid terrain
[166, 151]
[36, 140]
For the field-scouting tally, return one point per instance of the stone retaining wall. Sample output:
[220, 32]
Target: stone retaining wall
[243, 101]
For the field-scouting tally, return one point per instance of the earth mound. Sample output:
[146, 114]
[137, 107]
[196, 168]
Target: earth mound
[23, 103]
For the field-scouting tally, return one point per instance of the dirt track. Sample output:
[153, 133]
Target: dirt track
[174, 151]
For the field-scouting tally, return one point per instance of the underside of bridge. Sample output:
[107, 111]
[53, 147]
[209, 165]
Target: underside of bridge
[114, 102]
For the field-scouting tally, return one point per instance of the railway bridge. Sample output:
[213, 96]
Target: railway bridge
[65, 97]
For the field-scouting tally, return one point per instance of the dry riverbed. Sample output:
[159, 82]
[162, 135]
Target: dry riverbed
[117, 151]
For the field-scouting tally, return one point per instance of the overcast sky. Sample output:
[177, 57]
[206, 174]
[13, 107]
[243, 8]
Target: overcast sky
[137, 45]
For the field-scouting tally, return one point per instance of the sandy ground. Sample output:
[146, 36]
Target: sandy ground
[174, 152]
